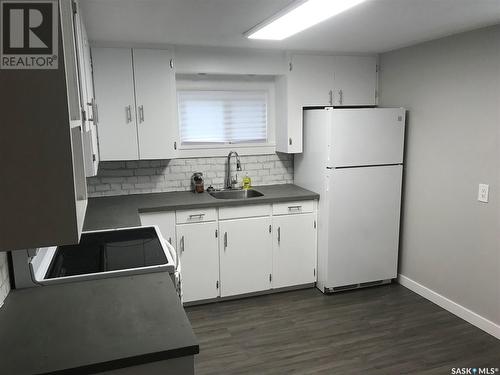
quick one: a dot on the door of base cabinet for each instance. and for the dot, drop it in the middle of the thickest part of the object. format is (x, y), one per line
(199, 258)
(245, 255)
(164, 220)
(294, 250)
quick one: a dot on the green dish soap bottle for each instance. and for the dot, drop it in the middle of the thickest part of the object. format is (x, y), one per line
(247, 182)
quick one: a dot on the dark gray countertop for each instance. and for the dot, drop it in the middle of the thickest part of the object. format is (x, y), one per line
(123, 210)
(91, 326)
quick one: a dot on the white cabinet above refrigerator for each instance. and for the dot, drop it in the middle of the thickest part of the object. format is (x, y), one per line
(319, 80)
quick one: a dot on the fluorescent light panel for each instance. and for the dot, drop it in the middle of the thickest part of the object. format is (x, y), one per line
(305, 15)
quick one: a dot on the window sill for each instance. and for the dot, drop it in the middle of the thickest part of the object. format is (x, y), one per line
(224, 150)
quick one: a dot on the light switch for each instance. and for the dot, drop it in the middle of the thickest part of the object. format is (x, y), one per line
(482, 195)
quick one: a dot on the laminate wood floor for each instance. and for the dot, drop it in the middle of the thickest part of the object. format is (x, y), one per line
(382, 330)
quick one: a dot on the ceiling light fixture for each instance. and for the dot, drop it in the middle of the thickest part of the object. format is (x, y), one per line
(299, 17)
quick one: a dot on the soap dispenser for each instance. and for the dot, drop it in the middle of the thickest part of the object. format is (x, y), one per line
(247, 182)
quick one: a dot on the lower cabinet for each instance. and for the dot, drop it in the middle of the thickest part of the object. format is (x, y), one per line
(165, 222)
(199, 257)
(241, 249)
(294, 250)
(245, 255)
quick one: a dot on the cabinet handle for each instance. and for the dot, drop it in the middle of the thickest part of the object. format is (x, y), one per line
(290, 141)
(297, 208)
(141, 113)
(225, 240)
(170, 240)
(128, 113)
(175, 145)
(199, 216)
(182, 244)
(341, 97)
(177, 256)
(279, 235)
(95, 116)
(331, 97)
(96, 112)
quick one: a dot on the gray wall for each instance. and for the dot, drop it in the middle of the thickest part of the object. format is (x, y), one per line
(450, 241)
(136, 177)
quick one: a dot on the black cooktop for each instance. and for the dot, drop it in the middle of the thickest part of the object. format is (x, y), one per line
(108, 251)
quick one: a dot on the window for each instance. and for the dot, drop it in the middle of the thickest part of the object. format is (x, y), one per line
(216, 117)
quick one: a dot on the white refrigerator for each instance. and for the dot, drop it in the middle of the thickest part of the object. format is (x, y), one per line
(354, 159)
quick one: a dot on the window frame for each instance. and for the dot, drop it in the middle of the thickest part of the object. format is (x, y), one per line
(244, 83)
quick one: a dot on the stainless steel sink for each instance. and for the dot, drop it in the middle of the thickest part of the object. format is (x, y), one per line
(236, 194)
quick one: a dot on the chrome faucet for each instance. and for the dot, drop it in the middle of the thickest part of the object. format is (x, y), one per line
(231, 183)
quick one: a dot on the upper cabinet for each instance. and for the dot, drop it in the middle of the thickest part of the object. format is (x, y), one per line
(354, 81)
(310, 80)
(87, 104)
(155, 100)
(114, 87)
(135, 90)
(43, 194)
(317, 80)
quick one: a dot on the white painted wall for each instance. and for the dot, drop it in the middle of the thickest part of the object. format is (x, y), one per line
(450, 241)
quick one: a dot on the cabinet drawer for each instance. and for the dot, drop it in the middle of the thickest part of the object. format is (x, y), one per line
(195, 216)
(297, 207)
(244, 211)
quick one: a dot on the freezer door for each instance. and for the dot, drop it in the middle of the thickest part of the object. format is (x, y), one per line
(363, 225)
(366, 136)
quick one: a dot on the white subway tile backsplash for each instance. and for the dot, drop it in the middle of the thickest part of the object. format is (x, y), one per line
(147, 176)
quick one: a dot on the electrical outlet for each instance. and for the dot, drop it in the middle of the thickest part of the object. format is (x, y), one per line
(482, 195)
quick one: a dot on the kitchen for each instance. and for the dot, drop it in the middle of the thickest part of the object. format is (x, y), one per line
(205, 188)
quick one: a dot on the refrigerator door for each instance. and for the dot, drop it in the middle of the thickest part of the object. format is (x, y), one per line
(366, 136)
(363, 226)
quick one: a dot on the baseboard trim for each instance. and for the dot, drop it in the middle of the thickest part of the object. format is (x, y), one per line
(462, 312)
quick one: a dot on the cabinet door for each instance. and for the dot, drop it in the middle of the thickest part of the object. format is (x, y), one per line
(308, 83)
(87, 104)
(114, 90)
(90, 104)
(245, 255)
(164, 220)
(310, 80)
(294, 250)
(355, 80)
(199, 257)
(154, 90)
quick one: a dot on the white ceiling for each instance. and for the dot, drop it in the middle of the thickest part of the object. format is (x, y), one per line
(373, 26)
